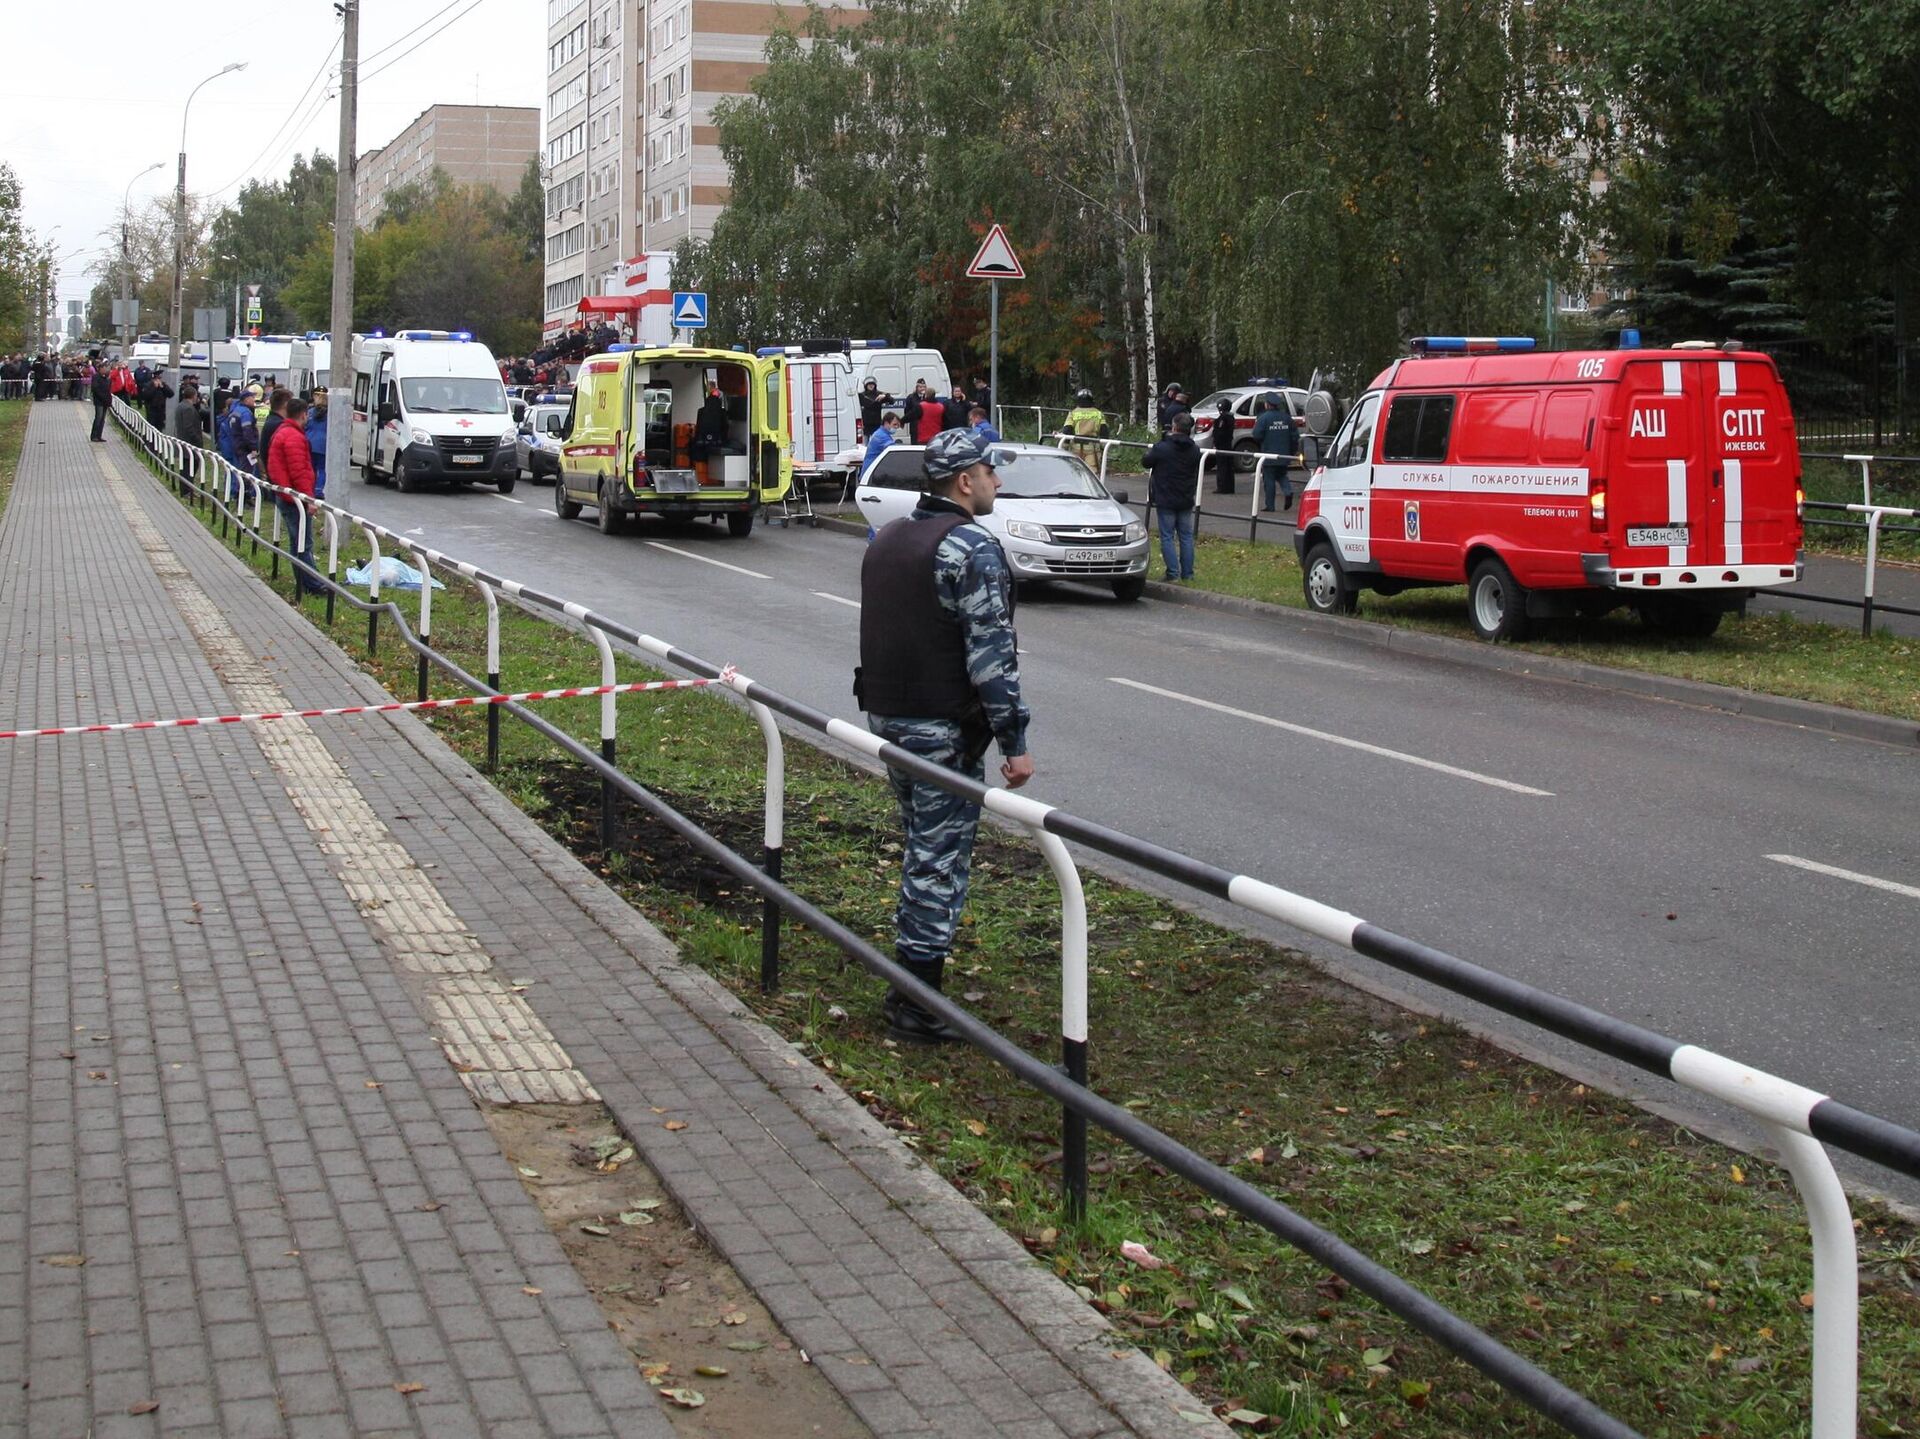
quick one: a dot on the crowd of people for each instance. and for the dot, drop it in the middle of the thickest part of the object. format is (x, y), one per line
(549, 364)
(923, 415)
(45, 377)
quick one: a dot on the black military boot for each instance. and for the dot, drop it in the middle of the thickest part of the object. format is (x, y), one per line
(907, 1020)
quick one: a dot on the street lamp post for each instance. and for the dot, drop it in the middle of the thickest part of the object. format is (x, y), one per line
(126, 264)
(180, 220)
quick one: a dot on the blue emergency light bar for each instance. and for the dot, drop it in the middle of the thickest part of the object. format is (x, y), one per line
(1280, 381)
(376, 334)
(1470, 344)
(622, 348)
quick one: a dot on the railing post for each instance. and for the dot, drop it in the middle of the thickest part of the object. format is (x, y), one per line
(773, 842)
(254, 540)
(333, 561)
(373, 589)
(609, 728)
(1073, 1016)
(1873, 555)
(1836, 1283)
(426, 614)
(493, 672)
(1865, 462)
(301, 525)
(275, 545)
(1253, 500)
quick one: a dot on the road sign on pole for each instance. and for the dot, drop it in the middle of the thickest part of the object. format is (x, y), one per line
(994, 262)
(690, 310)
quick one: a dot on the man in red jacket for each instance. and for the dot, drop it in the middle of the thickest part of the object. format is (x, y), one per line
(289, 465)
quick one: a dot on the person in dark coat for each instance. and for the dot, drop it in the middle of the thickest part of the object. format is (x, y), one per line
(102, 392)
(1274, 434)
(189, 427)
(1174, 490)
(873, 405)
(1223, 467)
(957, 410)
(153, 399)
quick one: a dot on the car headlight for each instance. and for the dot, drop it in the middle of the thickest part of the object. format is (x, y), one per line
(1134, 532)
(1027, 530)
(420, 437)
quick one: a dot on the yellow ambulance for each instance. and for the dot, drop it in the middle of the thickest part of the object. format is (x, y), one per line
(675, 431)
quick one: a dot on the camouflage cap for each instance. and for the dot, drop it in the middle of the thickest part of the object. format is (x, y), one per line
(951, 451)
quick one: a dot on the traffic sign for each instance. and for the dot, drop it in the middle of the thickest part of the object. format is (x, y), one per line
(996, 260)
(253, 312)
(690, 310)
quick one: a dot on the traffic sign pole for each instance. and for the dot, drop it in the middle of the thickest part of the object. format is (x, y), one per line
(993, 350)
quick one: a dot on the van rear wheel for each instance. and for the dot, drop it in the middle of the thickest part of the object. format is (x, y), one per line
(562, 506)
(740, 524)
(1496, 602)
(1326, 585)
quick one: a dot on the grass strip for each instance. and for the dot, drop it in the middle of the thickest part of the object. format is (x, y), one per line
(13, 439)
(1661, 1273)
(1761, 653)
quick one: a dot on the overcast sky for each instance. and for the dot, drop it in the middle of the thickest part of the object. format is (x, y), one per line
(94, 90)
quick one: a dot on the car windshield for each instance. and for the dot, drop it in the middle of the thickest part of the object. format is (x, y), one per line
(1040, 475)
(1211, 405)
(453, 395)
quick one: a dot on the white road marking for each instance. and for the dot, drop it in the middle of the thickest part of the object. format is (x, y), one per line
(508, 498)
(1361, 745)
(837, 599)
(689, 554)
(1871, 881)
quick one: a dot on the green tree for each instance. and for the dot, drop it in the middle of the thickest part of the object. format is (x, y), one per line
(1777, 123)
(19, 264)
(263, 235)
(525, 213)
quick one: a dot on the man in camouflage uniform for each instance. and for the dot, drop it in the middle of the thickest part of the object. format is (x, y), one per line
(939, 676)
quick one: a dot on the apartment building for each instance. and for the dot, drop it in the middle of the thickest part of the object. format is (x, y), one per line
(632, 161)
(472, 144)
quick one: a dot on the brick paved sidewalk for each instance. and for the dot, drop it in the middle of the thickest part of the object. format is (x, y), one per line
(144, 878)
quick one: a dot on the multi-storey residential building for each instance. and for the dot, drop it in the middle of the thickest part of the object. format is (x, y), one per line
(632, 162)
(471, 144)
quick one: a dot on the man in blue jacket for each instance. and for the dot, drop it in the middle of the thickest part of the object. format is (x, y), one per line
(1274, 434)
(317, 441)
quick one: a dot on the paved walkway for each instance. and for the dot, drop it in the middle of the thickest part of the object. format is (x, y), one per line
(250, 982)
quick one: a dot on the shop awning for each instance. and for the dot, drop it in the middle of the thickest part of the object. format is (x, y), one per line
(611, 304)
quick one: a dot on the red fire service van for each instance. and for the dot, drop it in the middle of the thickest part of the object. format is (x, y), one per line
(1559, 483)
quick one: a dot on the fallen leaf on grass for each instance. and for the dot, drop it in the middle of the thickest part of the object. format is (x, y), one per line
(599, 1231)
(976, 1128)
(1244, 1416)
(634, 1217)
(1238, 1296)
(1134, 1250)
(733, 1317)
(527, 1173)
(711, 1371)
(685, 1398)
(747, 1346)
(1739, 1174)
(1420, 1246)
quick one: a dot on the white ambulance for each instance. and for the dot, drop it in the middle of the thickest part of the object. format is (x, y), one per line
(824, 381)
(429, 406)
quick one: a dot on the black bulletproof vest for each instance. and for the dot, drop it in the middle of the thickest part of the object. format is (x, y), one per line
(913, 659)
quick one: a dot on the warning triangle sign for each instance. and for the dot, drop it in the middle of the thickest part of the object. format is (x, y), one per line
(996, 260)
(692, 310)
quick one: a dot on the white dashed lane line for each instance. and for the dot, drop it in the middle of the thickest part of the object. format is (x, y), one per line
(690, 555)
(1871, 881)
(837, 599)
(508, 498)
(1393, 754)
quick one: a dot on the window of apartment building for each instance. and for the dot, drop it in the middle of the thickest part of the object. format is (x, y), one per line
(567, 144)
(566, 243)
(566, 293)
(558, 10)
(566, 96)
(565, 48)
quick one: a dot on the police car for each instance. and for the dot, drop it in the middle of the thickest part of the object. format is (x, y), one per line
(1245, 400)
(537, 439)
(1053, 517)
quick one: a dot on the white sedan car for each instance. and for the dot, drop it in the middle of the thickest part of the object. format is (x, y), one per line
(1054, 518)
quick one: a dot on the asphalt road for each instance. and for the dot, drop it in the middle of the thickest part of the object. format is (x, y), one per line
(1618, 850)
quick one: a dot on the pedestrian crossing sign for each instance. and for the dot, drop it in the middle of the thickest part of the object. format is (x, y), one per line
(690, 310)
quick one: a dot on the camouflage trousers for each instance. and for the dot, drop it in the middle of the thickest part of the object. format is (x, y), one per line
(938, 858)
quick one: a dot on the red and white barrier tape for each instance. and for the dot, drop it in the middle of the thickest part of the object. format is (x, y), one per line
(460, 702)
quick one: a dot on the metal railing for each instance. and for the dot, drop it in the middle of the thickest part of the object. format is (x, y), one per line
(1256, 472)
(1798, 1120)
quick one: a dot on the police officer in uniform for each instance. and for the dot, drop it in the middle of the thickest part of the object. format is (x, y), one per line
(939, 677)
